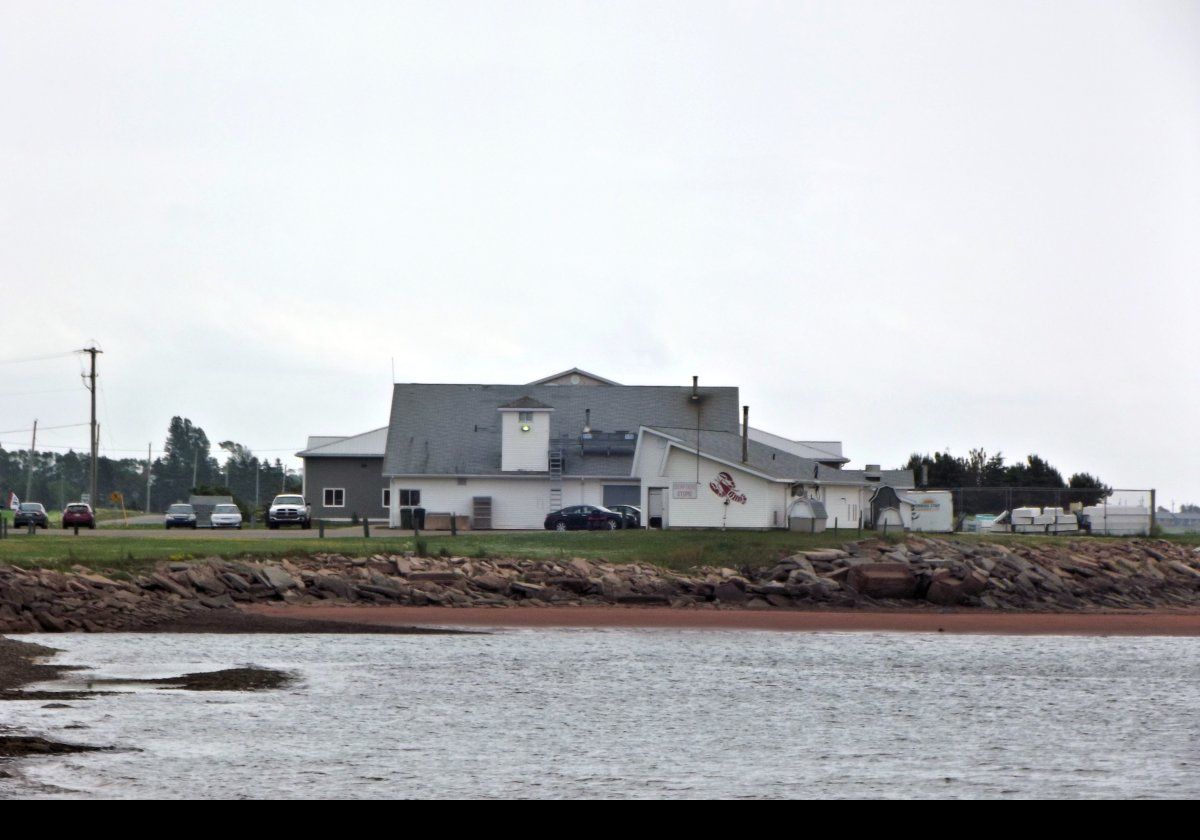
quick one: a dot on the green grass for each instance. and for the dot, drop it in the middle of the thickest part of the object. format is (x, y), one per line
(680, 550)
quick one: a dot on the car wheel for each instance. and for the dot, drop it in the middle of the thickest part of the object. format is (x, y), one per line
(560, 526)
(612, 524)
(92, 526)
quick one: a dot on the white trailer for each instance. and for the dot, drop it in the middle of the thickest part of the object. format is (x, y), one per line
(928, 510)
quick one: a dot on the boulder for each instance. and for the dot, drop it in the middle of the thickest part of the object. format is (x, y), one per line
(883, 580)
(730, 591)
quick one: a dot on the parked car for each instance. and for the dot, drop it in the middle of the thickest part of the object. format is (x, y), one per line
(289, 509)
(587, 518)
(630, 510)
(79, 515)
(226, 516)
(180, 516)
(30, 512)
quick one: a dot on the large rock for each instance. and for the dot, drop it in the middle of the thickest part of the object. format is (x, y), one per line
(883, 580)
(731, 591)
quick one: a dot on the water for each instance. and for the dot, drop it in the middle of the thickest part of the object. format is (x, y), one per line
(621, 713)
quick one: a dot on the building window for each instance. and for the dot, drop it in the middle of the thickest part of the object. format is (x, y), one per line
(410, 498)
(387, 498)
(335, 497)
(525, 417)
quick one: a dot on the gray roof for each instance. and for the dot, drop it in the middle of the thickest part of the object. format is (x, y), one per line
(777, 463)
(455, 429)
(525, 402)
(366, 445)
(579, 372)
(727, 446)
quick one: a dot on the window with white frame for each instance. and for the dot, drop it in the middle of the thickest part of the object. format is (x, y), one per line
(525, 417)
(410, 498)
(387, 497)
(334, 497)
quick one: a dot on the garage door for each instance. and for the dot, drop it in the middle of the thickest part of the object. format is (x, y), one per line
(622, 494)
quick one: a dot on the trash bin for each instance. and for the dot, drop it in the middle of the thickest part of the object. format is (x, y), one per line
(418, 515)
(406, 518)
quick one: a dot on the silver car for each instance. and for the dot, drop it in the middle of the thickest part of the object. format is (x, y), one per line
(226, 516)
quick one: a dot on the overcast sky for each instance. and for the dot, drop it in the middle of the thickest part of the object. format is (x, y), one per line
(907, 226)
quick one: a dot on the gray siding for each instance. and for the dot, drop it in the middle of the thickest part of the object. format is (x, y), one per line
(361, 478)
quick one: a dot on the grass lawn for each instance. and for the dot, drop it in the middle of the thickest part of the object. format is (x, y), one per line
(680, 550)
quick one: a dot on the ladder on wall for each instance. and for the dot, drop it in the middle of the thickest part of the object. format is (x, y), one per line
(556, 474)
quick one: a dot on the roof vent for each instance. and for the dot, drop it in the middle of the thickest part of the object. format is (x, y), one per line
(873, 472)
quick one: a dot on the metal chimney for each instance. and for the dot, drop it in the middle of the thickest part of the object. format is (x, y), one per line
(745, 434)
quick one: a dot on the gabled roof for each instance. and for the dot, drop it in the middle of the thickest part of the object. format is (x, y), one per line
(825, 451)
(366, 445)
(455, 429)
(322, 440)
(776, 463)
(582, 374)
(526, 403)
(765, 460)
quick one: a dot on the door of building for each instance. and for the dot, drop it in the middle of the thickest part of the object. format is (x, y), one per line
(654, 505)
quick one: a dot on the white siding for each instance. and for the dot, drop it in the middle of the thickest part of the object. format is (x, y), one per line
(845, 504)
(517, 503)
(763, 507)
(524, 451)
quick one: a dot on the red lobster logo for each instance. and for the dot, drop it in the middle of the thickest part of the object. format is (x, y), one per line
(726, 488)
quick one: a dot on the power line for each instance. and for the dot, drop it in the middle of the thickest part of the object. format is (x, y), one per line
(43, 428)
(31, 393)
(37, 358)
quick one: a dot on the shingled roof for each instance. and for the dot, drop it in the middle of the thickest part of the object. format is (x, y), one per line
(526, 403)
(455, 429)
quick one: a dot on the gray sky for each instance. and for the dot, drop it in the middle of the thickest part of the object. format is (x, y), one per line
(908, 226)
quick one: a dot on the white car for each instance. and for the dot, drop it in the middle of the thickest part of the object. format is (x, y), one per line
(226, 516)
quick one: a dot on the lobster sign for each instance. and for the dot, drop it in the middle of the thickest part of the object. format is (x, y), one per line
(726, 488)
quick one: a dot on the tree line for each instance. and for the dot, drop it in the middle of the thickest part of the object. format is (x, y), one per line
(188, 464)
(989, 485)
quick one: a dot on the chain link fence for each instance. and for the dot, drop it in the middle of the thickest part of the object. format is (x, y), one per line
(1058, 510)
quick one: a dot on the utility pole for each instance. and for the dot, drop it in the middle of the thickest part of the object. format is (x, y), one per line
(195, 463)
(257, 473)
(32, 455)
(148, 464)
(90, 380)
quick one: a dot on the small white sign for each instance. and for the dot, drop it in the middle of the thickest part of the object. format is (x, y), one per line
(685, 490)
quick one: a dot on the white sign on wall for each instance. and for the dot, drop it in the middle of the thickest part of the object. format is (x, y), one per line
(685, 490)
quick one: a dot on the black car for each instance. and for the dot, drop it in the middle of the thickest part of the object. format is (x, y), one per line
(587, 518)
(629, 510)
(28, 512)
(180, 516)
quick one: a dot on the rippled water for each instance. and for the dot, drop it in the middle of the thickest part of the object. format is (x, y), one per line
(620, 713)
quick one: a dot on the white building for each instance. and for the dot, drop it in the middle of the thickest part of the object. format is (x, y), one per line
(507, 455)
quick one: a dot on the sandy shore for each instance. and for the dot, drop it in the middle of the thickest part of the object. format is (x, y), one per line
(1158, 623)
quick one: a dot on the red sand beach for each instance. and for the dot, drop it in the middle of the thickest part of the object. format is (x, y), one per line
(1156, 623)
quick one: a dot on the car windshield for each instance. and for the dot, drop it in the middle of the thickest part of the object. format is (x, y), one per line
(31, 506)
(225, 509)
(289, 500)
(179, 509)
